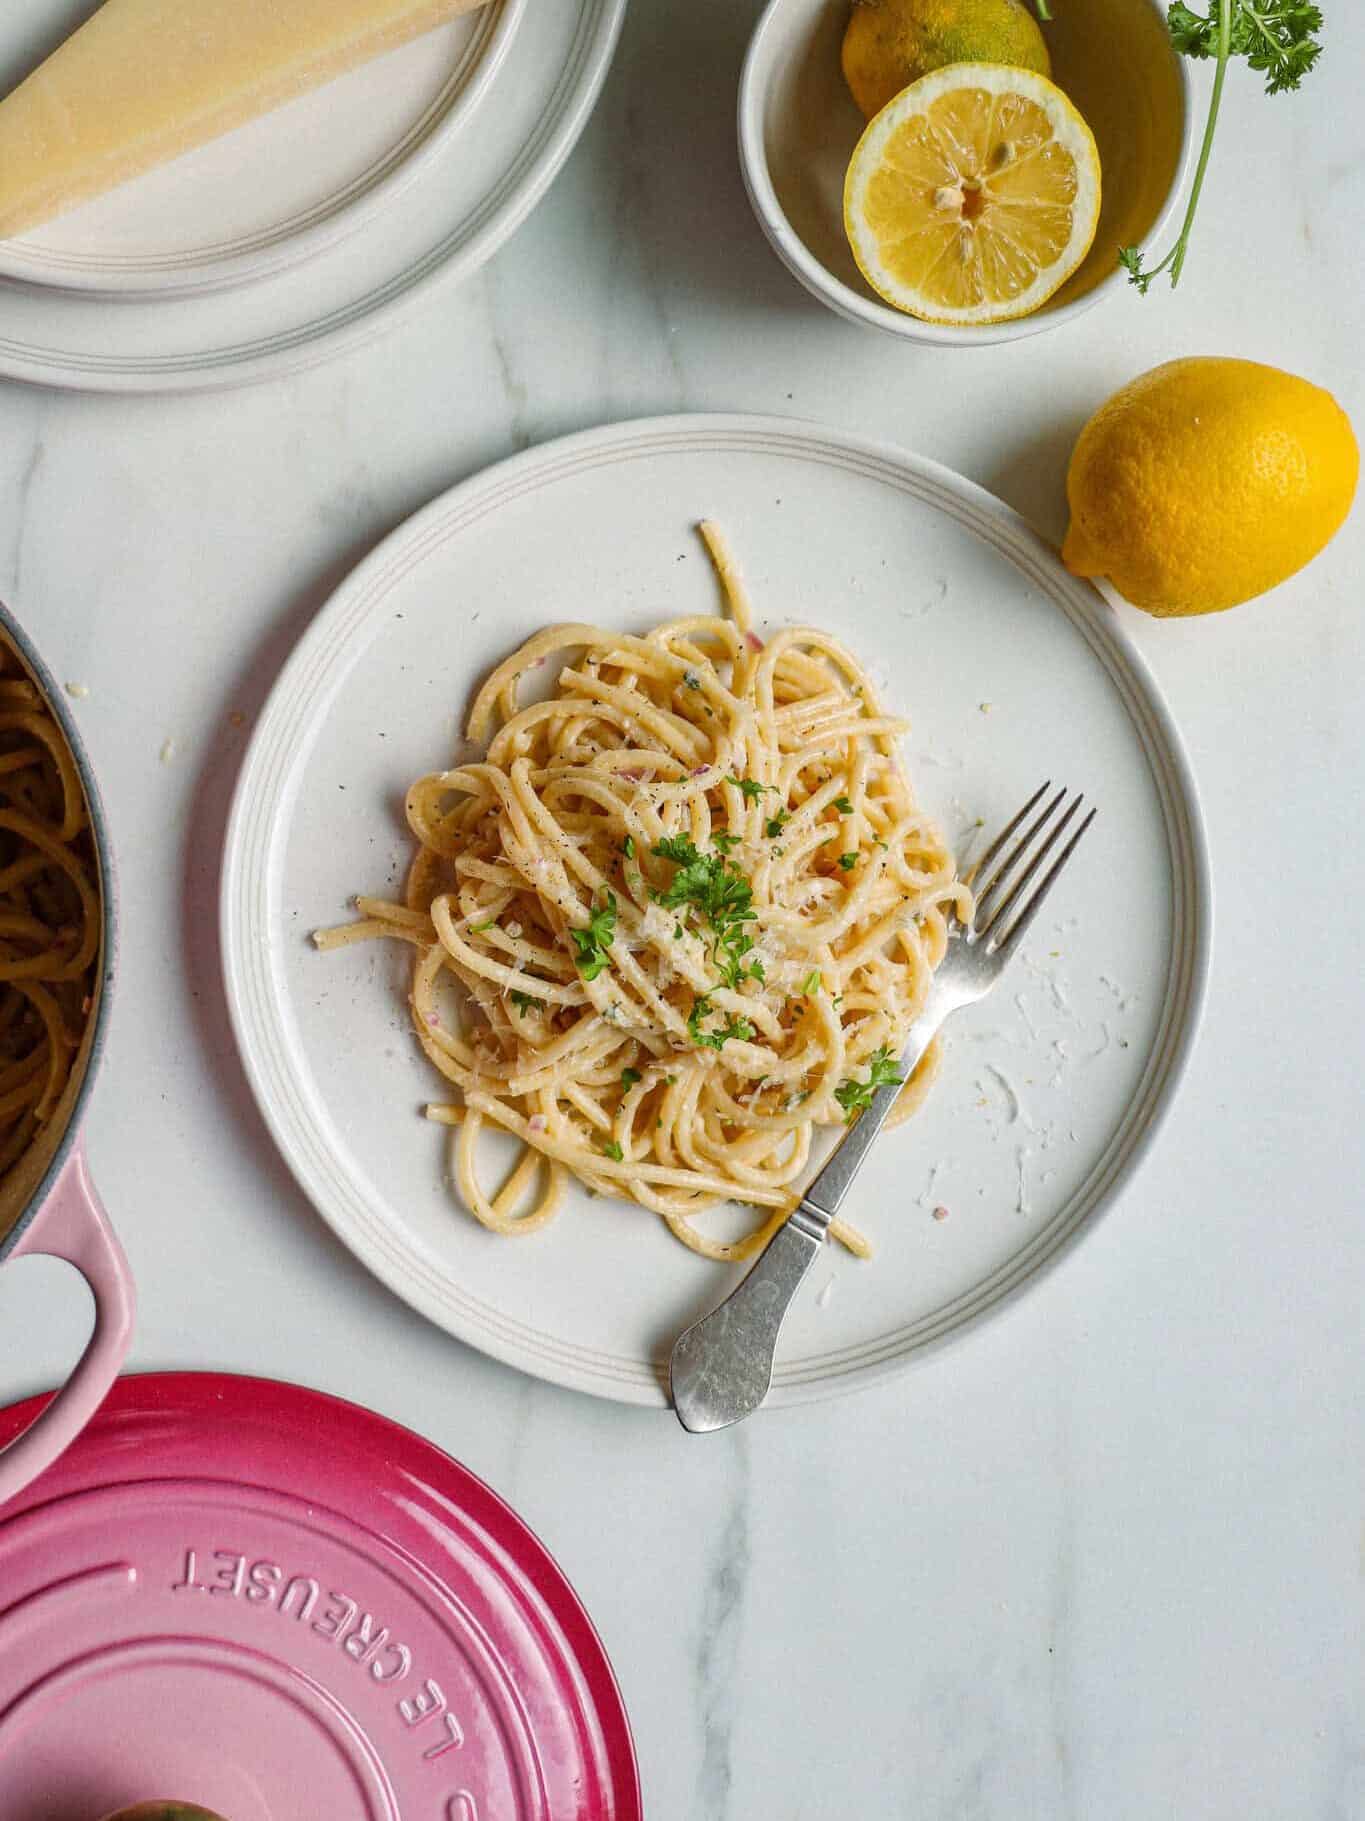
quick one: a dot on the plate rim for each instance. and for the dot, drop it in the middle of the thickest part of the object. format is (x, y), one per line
(268, 1404)
(579, 1368)
(227, 266)
(485, 228)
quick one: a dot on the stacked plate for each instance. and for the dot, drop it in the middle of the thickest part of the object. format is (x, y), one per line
(306, 231)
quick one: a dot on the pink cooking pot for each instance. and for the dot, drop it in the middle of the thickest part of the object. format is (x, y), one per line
(48, 1203)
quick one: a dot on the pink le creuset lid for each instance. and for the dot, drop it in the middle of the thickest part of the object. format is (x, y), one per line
(281, 1607)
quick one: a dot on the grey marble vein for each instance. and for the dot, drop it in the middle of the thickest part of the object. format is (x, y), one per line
(632, 282)
(23, 494)
(513, 384)
(1061, 1614)
(718, 1642)
(522, 1418)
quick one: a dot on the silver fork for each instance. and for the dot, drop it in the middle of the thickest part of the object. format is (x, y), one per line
(722, 1366)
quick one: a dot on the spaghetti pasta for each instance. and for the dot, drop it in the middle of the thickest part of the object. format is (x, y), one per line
(49, 911)
(674, 922)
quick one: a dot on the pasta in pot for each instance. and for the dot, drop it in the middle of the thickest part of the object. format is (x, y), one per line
(49, 912)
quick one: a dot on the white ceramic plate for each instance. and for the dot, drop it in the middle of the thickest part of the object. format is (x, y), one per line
(1012, 671)
(304, 232)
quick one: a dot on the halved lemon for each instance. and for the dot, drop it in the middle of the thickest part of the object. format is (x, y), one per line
(973, 195)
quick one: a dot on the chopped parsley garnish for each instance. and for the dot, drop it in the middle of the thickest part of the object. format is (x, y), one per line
(477, 929)
(593, 942)
(776, 824)
(677, 932)
(717, 1039)
(854, 1096)
(628, 1079)
(750, 788)
(844, 807)
(848, 862)
(678, 848)
(811, 983)
(721, 893)
(692, 680)
(628, 847)
(526, 1002)
(613, 1150)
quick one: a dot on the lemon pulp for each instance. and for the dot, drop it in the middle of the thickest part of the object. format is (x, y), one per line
(973, 195)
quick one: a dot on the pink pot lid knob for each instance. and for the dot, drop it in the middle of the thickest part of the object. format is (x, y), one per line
(164, 1811)
(283, 1608)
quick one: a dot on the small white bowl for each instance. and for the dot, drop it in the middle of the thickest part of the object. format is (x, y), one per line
(798, 126)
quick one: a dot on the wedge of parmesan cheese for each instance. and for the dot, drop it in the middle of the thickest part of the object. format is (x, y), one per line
(144, 80)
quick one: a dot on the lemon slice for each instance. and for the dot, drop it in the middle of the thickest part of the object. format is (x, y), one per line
(973, 195)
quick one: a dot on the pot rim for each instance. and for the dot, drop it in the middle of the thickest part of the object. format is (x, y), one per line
(54, 697)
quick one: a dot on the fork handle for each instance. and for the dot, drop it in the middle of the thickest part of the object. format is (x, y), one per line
(722, 1365)
(825, 1194)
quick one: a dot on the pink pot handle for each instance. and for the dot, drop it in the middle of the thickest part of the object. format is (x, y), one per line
(73, 1225)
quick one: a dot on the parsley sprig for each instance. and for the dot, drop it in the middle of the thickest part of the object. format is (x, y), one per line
(855, 1096)
(749, 788)
(722, 894)
(1277, 38)
(593, 942)
(718, 1038)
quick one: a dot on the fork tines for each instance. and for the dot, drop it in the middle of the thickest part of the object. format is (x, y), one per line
(994, 902)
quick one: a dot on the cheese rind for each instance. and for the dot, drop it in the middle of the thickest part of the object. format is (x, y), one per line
(143, 81)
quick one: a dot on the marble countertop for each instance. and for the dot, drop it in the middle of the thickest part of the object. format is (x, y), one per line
(1107, 1556)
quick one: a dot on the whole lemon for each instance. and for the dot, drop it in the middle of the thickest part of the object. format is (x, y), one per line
(1205, 482)
(891, 43)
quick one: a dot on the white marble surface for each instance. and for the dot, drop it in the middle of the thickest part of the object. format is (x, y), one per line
(1105, 1558)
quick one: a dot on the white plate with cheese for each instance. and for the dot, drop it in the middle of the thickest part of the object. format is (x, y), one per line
(303, 230)
(268, 194)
